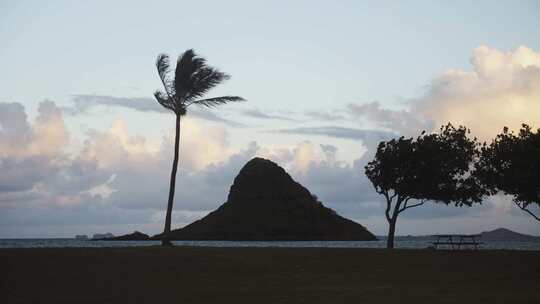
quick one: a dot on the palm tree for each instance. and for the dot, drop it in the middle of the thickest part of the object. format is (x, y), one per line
(192, 80)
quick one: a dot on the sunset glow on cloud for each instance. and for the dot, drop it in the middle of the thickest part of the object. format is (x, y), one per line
(502, 89)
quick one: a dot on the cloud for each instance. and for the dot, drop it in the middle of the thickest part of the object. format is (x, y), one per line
(84, 102)
(395, 120)
(21, 174)
(342, 186)
(142, 175)
(91, 212)
(47, 136)
(30, 153)
(49, 133)
(15, 131)
(209, 115)
(256, 113)
(61, 188)
(316, 115)
(326, 115)
(39, 165)
(367, 136)
(502, 89)
(114, 174)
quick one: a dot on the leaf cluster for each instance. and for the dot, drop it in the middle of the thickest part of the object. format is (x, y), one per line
(511, 164)
(435, 167)
(193, 79)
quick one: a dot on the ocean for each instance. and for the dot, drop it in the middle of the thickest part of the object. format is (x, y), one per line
(399, 243)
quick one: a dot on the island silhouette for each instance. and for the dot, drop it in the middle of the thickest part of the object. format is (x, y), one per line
(265, 203)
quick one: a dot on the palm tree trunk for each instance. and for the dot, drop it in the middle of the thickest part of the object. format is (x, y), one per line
(165, 239)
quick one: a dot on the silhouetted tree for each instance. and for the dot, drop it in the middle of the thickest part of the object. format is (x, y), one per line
(192, 80)
(434, 167)
(511, 164)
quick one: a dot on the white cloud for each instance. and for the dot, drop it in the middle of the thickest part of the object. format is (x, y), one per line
(49, 133)
(202, 145)
(113, 171)
(502, 89)
(401, 121)
(14, 128)
(32, 156)
(46, 137)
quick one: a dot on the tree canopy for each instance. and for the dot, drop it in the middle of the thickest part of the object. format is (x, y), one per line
(511, 164)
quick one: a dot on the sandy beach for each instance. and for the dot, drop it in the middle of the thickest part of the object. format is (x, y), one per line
(267, 275)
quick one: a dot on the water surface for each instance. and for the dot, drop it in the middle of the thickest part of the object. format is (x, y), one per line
(399, 243)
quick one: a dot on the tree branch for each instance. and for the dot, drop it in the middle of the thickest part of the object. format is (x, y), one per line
(396, 207)
(405, 207)
(388, 204)
(527, 210)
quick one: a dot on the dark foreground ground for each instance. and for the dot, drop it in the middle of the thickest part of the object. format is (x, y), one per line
(267, 275)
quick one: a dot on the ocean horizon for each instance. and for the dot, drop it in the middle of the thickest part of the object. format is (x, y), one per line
(401, 242)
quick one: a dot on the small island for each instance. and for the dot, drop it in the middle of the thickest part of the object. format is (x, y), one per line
(265, 203)
(135, 236)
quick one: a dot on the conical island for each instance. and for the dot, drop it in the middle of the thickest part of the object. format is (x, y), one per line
(265, 203)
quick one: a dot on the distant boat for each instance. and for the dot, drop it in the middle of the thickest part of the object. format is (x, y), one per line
(81, 237)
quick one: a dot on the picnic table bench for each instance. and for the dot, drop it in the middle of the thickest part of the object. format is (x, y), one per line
(457, 241)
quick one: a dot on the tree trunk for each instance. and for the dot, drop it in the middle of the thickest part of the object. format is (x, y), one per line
(391, 233)
(392, 220)
(165, 239)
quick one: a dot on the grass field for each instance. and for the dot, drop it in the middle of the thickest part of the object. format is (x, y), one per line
(267, 275)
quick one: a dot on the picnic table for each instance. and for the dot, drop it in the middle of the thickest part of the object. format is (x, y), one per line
(457, 241)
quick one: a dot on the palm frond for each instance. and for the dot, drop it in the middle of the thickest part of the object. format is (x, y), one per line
(187, 65)
(165, 101)
(203, 81)
(192, 80)
(216, 101)
(163, 68)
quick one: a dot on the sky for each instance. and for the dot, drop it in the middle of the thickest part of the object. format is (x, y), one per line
(85, 149)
